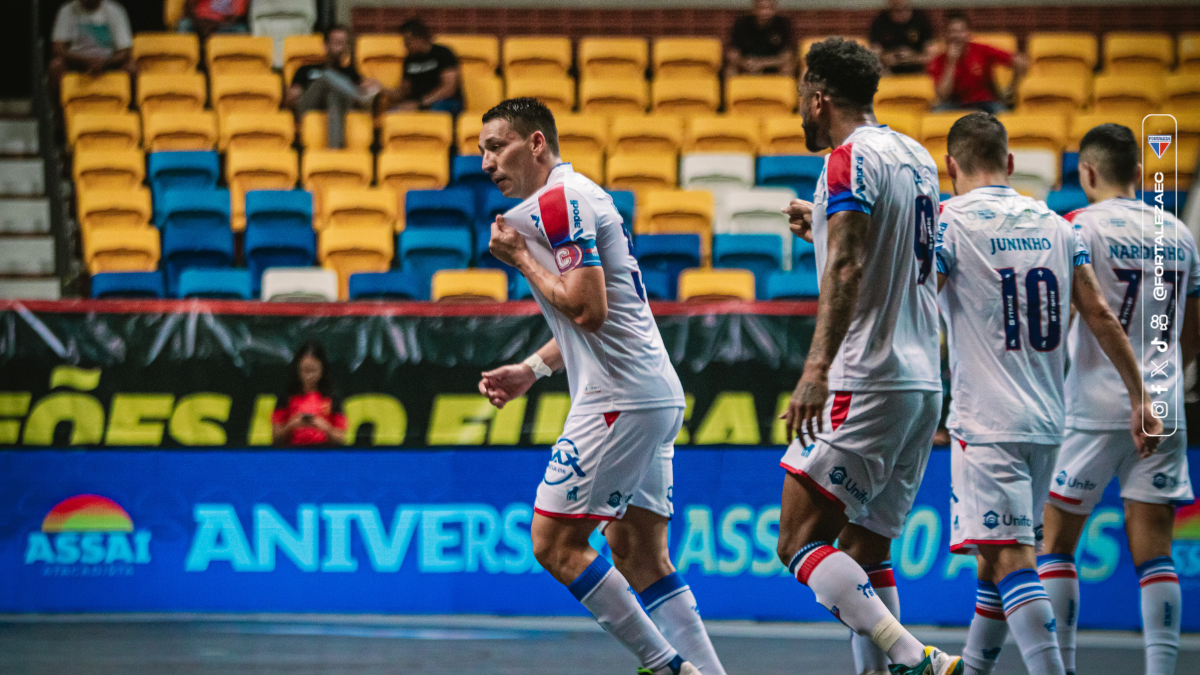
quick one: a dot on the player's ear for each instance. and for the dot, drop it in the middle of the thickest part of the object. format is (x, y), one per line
(1010, 164)
(952, 168)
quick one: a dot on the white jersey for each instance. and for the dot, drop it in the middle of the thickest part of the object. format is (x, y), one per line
(892, 342)
(1008, 261)
(1124, 260)
(572, 223)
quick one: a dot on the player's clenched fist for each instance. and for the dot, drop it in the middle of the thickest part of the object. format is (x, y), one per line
(506, 383)
(799, 213)
(1146, 430)
(506, 244)
(807, 405)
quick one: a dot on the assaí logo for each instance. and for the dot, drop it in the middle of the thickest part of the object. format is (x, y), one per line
(1186, 547)
(87, 536)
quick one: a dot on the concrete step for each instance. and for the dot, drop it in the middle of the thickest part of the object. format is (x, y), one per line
(45, 288)
(25, 216)
(30, 256)
(18, 137)
(22, 178)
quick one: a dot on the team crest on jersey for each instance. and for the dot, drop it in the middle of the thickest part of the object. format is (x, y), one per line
(1159, 143)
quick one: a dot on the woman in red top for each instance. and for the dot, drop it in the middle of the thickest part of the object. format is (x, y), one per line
(309, 414)
(963, 75)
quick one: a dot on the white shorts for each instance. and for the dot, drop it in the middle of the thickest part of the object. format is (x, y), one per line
(997, 492)
(604, 462)
(872, 456)
(1090, 459)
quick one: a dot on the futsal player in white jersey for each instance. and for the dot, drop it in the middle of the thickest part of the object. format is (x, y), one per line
(1120, 230)
(612, 463)
(1006, 266)
(876, 346)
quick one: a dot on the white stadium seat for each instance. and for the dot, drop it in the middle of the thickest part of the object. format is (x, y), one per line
(1034, 171)
(278, 19)
(27, 255)
(716, 171)
(299, 284)
(25, 216)
(756, 211)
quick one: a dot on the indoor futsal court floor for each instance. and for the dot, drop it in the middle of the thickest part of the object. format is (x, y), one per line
(369, 645)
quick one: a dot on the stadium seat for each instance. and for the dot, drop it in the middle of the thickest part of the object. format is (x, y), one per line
(247, 170)
(625, 202)
(183, 170)
(799, 285)
(713, 133)
(481, 93)
(518, 289)
(348, 250)
(477, 54)
(1047, 131)
(762, 254)
(804, 257)
(467, 172)
(1069, 177)
(664, 211)
(108, 169)
(641, 171)
(404, 171)
(662, 257)
(104, 131)
(280, 19)
(380, 56)
(440, 209)
(494, 205)
(360, 131)
(178, 130)
(424, 251)
(760, 95)
(1126, 94)
(557, 93)
(108, 92)
(581, 133)
(466, 133)
(166, 52)
(701, 285)
(641, 134)
(687, 57)
(1140, 53)
(1034, 171)
(121, 249)
(215, 284)
(246, 92)
(258, 131)
(390, 285)
(1188, 52)
(469, 286)
(716, 171)
(1067, 200)
(1187, 123)
(1187, 152)
(613, 57)
(537, 57)
(113, 285)
(358, 207)
(169, 92)
(1182, 91)
(1062, 94)
(301, 50)
(279, 208)
(607, 96)
(1082, 123)
(1062, 53)
(1173, 201)
(1004, 41)
(757, 211)
(194, 208)
(432, 131)
(590, 164)
(322, 170)
(240, 54)
(299, 284)
(935, 129)
(799, 172)
(194, 247)
(279, 231)
(685, 96)
(907, 123)
(783, 136)
(905, 93)
(113, 208)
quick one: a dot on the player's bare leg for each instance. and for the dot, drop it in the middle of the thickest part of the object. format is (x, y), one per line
(1027, 607)
(988, 627)
(873, 553)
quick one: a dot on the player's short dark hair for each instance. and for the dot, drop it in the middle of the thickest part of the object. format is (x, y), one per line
(956, 15)
(416, 28)
(978, 142)
(1113, 149)
(844, 69)
(526, 115)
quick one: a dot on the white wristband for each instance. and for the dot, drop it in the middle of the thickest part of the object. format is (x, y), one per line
(539, 366)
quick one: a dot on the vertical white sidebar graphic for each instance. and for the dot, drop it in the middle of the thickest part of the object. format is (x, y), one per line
(1163, 375)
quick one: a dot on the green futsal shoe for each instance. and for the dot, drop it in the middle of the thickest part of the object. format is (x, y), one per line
(936, 662)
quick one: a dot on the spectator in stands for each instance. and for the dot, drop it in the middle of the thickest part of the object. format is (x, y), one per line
(309, 413)
(964, 74)
(334, 86)
(761, 42)
(431, 73)
(90, 36)
(902, 38)
(205, 17)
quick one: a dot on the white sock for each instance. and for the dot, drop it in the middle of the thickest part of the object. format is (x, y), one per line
(672, 607)
(842, 587)
(987, 633)
(607, 595)
(1058, 575)
(868, 657)
(1030, 617)
(1161, 606)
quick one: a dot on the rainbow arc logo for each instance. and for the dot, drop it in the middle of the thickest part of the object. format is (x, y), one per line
(88, 535)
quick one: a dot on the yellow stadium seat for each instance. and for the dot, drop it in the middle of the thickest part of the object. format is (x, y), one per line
(301, 50)
(227, 53)
(760, 95)
(905, 93)
(121, 249)
(674, 211)
(322, 170)
(582, 133)
(722, 134)
(783, 136)
(616, 57)
(466, 133)
(258, 131)
(1188, 52)
(687, 57)
(166, 52)
(1063, 94)
(247, 170)
(686, 96)
(113, 208)
(906, 123)
(610, 96)
(107, 92)
(477, 54)
(401, 171)
(358, 207)
(381, 56)
(1046, 131)
(196, 130)
(1182, 91)
(708, 285)
(173, 12)
(1141, 53)
(1059, 53)
(104, 131)
(935, 127)
(418, 130)
(314, 130)
(108, 169)
(1185, 160)
(557, 92)
(161, 92)
(1130, 94)
(350, 250)
(640, 171)
(1085, 122)
(246, 92)
(534, 57)
(477, 285)
(658, 134)
(481, 93)
(587, 162)
(1187, 123)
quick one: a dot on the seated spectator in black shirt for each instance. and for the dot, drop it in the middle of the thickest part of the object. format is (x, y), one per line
(902, 38)
(431, 73)
(761, 42)
(334, 86)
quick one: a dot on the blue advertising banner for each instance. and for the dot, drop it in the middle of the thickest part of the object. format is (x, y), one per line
(447, 532)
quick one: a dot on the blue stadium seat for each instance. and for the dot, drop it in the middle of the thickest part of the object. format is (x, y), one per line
(791, 286)
(624, 201)
(943, 196)
(193, 208)
(494, 204)
(276, 241)
(804, 257)
(667, 255)
(182, 169)
(452, 207)
(1070, 170)
(799, 172)
(467, 171)
(424, 251)
(1171, 200)
(127, 285)
(233, 284)
(385, 286)
(188, 247)
(762, 254)
(518, 288)
(279, 207)
(1066, 200)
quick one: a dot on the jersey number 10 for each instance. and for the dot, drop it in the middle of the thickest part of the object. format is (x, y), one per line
(1043, 339)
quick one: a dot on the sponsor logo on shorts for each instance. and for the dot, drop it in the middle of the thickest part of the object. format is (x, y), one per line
(1162, 481)
(670, 493)
(1061, 479)
(614, 500)
(991, 520)
(1073, 483)
(1037, 533)
(573, 494)
(564, 463)
(838, 475)
(808, 450)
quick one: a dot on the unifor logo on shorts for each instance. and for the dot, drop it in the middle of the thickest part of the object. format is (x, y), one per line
(1162, 480)
(1062, 478)
(614, 500)
(838, 475)
(991, 520)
